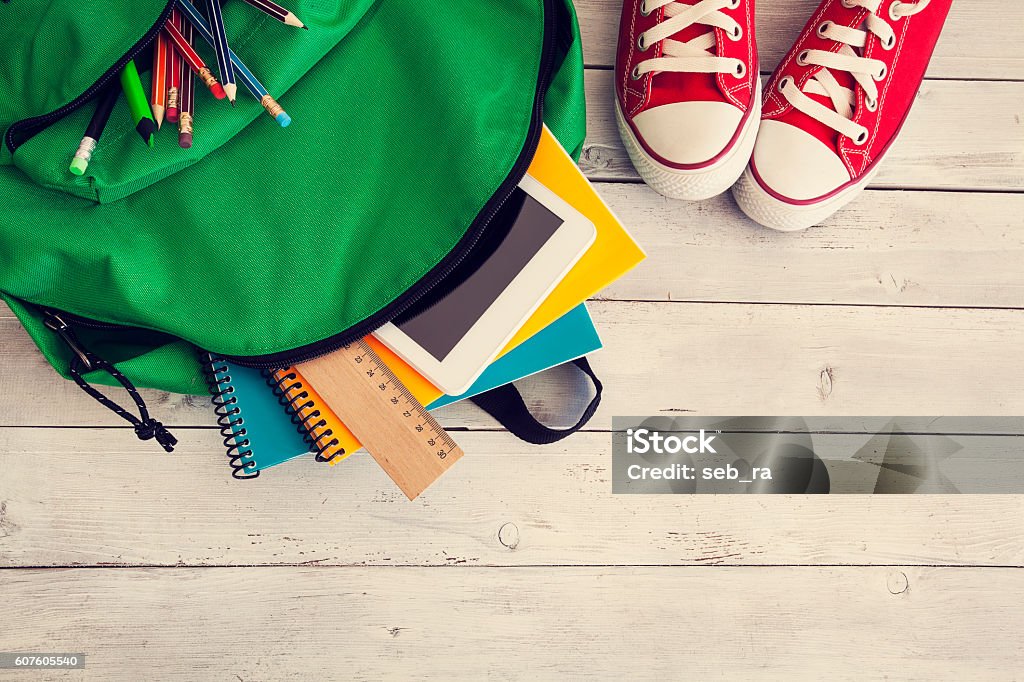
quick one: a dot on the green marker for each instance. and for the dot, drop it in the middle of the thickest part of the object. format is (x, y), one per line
(142, 116)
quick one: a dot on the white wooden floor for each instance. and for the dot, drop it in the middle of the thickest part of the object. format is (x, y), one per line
(519, 563)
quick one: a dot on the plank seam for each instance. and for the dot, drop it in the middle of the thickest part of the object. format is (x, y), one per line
(320, 565)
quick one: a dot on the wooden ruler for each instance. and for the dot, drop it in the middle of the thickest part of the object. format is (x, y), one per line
(380, 411)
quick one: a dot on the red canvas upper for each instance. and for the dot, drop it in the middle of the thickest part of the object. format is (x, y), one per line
(906, 63)
(658, 88)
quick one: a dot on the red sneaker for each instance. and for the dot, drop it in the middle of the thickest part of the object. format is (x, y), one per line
(687, 92)
(834, 105)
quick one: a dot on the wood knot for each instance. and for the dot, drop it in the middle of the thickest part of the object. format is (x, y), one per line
(508, 535)
(595, 157)
(7, 527)
(825, 379)
(897, 582)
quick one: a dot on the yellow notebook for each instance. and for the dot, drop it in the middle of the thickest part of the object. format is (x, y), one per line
(613, 253)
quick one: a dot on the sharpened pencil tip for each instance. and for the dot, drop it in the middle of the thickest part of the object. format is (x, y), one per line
(305, 28)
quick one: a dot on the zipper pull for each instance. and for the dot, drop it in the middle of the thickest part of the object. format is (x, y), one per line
(57, 324)
(145, 426)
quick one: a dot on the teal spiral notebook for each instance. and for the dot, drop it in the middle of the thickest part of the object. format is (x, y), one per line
(259, 434)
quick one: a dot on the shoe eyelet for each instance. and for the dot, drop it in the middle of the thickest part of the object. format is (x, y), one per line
(735, 35)
(824, 26)
(734, 4)
(801, 58)
(741, 70)
(643, 9)
(641, 43)
(781, 85)
(892, 11)
(861, 138)
(847, 4)
(881, 74)
(889, 44)
(871, 104)
(635, 73)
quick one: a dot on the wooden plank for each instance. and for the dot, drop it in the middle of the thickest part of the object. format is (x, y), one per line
(886, 248)
(522, 624)
(941, 147)
(964, 50)
(73, 497)
(704, 357)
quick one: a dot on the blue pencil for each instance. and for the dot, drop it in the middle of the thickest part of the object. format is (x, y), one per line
(248, 80)
(220, 46)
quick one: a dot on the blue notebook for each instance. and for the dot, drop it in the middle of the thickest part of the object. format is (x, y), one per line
(259, 434)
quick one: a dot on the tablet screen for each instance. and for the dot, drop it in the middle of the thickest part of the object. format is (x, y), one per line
(440, 319)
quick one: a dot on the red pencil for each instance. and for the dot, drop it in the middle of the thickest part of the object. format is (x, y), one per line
(194, 61)
(158, 99)
(173, 74)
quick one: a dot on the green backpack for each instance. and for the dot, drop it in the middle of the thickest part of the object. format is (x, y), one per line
(268, 246)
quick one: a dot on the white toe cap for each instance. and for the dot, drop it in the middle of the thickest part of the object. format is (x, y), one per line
(688, 132)
(796, 164)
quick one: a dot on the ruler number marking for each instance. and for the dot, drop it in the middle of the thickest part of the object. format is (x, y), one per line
(426, 424)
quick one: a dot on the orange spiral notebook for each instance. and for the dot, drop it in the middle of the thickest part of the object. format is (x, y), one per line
(613, 254)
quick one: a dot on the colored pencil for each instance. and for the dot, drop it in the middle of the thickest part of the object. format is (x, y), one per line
(248, 80)
(192, 58)
(138, 105)
(158, 94)
(280, 13)
(104, 105)
(173, 72)
(187, 94)
(220, 45)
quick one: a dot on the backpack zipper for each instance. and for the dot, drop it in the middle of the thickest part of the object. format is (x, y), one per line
(57, 323)
(441, 270)
(22, 131)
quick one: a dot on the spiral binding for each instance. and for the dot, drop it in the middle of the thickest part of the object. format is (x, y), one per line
(229, 417)
(304, 413)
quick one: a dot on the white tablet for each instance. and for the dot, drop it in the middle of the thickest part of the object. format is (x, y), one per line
(458, 328)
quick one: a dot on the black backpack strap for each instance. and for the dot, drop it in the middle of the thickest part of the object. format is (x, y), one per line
(506, 405)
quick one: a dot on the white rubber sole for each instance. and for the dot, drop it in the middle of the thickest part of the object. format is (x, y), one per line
(693, 185)
(763, 208)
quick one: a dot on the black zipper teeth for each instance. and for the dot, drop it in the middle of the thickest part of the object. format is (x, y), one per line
(444, 268)
(36, 124)
(86, 322)
(463, 248)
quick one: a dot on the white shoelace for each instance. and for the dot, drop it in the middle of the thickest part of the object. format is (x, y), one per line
(692, 56)
(865, 72)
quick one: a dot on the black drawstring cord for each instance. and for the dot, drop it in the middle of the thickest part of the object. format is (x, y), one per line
(145, 426)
